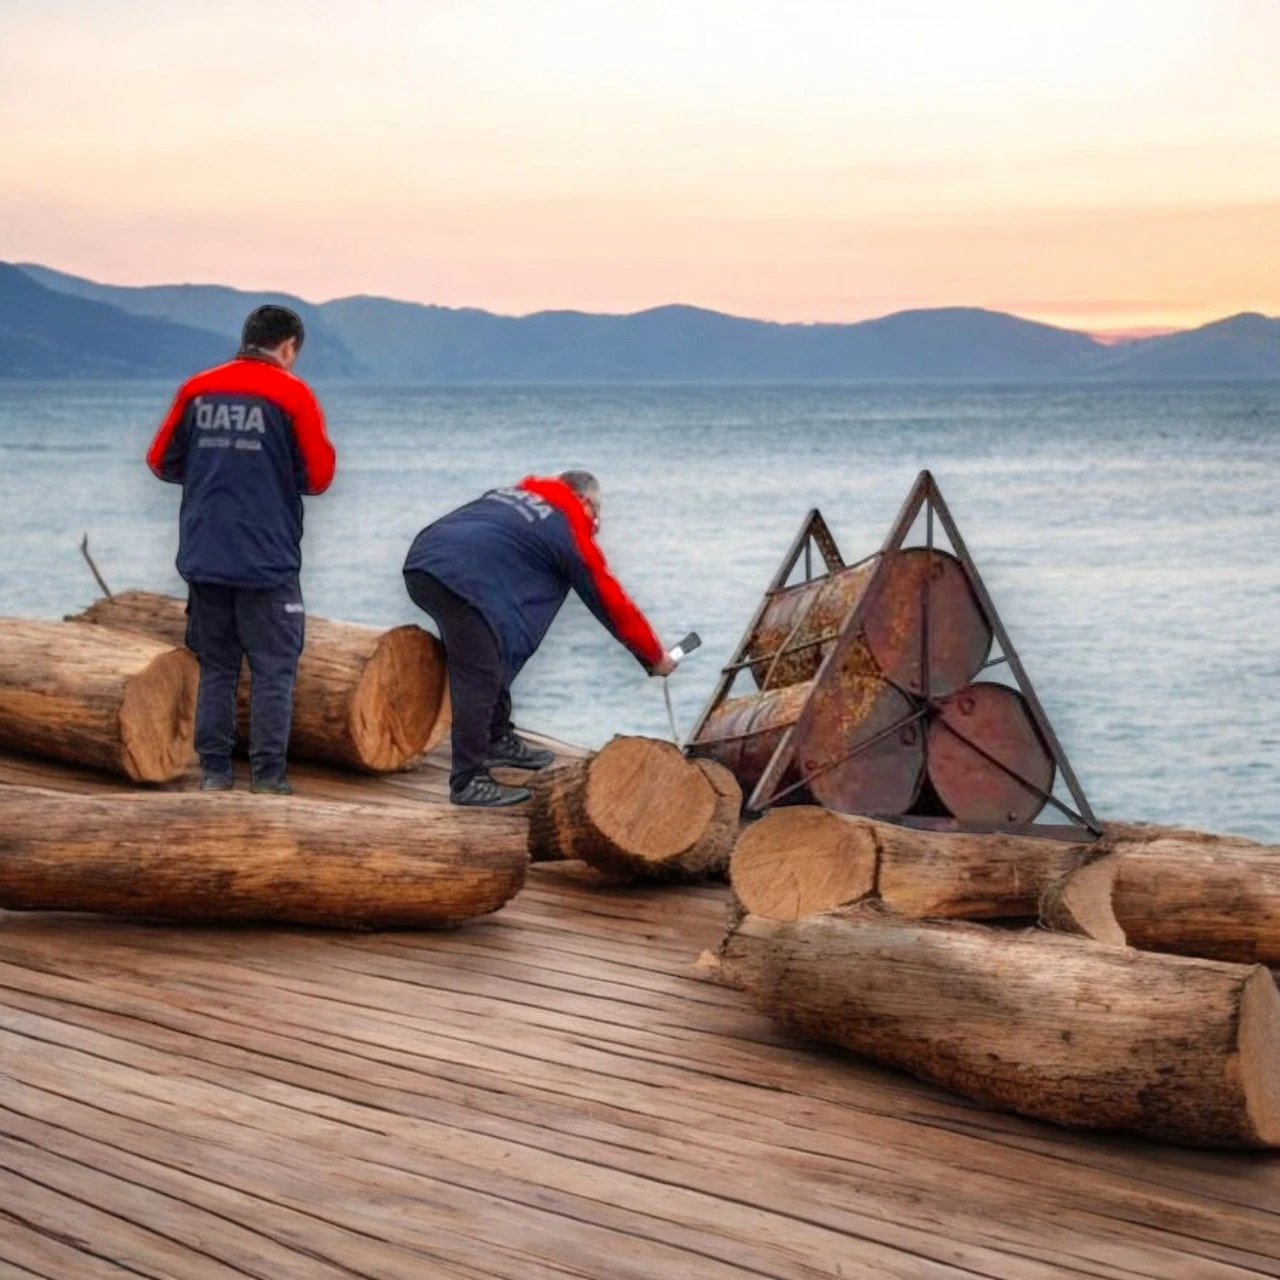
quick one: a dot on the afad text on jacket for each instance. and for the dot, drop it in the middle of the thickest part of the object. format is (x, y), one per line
(245, 440)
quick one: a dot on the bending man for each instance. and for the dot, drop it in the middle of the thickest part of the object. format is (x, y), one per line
(493, 575)
(245, 440)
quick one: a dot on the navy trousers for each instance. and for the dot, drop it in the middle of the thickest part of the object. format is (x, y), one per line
(479, 694)
(224, 625)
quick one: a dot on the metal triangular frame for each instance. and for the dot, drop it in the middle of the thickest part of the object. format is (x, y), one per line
(924, 496)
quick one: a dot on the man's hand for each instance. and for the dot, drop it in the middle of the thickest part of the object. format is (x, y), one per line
(666, 665)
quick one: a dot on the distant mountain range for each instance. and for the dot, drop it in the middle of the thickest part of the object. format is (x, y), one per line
(54, 325)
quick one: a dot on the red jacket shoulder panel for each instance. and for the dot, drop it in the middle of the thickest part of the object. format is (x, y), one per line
(626, 620)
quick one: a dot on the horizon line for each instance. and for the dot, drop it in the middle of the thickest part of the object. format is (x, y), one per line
(1103, 336)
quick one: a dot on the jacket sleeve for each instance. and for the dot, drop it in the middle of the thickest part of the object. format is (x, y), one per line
(167, 455)
(319, 460)
(602, 593)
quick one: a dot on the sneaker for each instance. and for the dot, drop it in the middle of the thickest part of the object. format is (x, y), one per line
(512, 752)
(215, 782)
(280, 788)
(483, 793)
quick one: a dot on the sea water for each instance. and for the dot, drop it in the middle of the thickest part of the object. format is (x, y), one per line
(1130, 537)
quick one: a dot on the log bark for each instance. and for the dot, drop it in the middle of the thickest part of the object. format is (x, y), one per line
(365, 699)
(958, 876)
(1183, 892)
(96, 697)
(1058, 1028)
(637, 810)
(802, 859)
(195, 856)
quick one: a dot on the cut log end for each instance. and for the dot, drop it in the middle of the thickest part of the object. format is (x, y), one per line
(647, 800)
(1081, 903)
(400, 707)
(1258, 1041)
(797, 861)
(157, 718)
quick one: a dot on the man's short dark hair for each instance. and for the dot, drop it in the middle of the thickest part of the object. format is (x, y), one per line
(267, 327)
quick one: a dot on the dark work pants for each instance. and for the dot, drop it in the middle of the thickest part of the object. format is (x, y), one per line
(225, 624)
(478, 688)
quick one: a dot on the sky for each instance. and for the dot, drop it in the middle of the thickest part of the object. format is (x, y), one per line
(1110, 165)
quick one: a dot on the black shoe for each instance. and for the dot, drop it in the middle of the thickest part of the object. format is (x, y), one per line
(512, 752)
(215, 782)
(483, 793)
(281, 788)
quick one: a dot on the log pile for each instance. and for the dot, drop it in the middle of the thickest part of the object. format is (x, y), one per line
(365, 699)
(801, 859)
(637, 810)
(1185, 892)
(852, 931)
(1053, 1027)
(89, 696)
(193, 856)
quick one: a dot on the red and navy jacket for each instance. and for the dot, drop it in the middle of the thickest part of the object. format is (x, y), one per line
(244, 440)
(513, 555)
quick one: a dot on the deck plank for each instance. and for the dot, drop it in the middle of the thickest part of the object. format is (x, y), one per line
(554, 1091)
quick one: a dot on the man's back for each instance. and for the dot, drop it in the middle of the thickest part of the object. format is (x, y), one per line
(514, 554)
(244, 439)
(508, 554)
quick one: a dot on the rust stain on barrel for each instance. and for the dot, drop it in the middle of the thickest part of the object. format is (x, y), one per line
(799, 616)
(959, 637)
(743, 733)
(848, 712)
(996, 719)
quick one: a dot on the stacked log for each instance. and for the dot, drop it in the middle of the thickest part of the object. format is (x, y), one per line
(95, 697)
(637, 810)
(1170, 890)
(1058, 1028)
(193, 856)
(802, 859)
(364, 699)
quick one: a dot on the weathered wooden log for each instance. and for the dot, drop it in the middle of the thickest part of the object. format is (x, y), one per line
(802, 859)
(112, 701)
(365, 699)
(1058, 1028)
(1185, 892)
(637, 810)
(234, 857)
(1080, 903)
(961, 876)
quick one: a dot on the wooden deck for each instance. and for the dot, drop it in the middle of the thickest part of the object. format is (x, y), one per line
(552, 1091)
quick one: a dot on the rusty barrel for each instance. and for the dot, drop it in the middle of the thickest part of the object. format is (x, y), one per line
(912, 584)
(743, 733)
(987, 761)
(855, 738)
(800, 623)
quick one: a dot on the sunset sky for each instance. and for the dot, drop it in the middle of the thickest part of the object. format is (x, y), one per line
(1103, 164)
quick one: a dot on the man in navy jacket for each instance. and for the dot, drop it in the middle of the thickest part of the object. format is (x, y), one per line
(245, 440)
(493, 574)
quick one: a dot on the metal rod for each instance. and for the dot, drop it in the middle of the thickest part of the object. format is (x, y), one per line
(779, 579)
(993, 662)
(849, 755)
(757, 659)
(93, 568)
(1045, 796)
(1011, 656)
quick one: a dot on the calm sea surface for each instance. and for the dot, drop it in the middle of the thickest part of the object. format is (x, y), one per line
(1129, 536)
